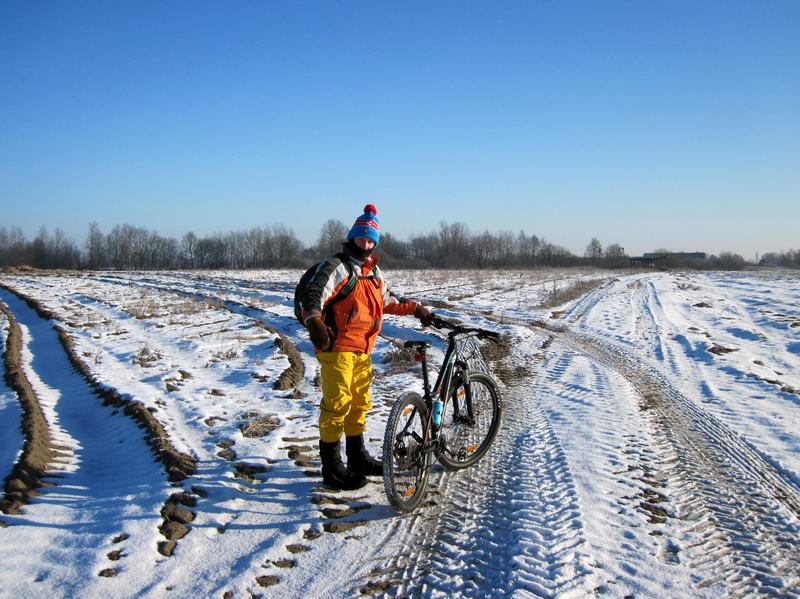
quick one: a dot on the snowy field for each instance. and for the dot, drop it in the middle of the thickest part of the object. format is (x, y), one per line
(650, 445)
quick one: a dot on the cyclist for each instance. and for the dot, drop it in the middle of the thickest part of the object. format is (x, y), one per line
(343, 332)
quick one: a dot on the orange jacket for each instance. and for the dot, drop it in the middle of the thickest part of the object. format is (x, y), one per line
(355, 320)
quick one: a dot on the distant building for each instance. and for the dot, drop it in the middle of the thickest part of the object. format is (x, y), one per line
(681, 256)
(665, 260)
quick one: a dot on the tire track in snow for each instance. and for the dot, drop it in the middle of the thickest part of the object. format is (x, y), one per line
(741, 511)
(584, 305)
(646, 327)
(617, 474)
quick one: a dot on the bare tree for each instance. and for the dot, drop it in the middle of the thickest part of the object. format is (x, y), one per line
(287, 246)
(594, 250)
(505, 248)
(187, 248)
(615, 255)
(483, 248)
(393, 252)
(423, 249)
(40, 249)
(453, 244)
(59, 249)
(95, 246)
(331, 236)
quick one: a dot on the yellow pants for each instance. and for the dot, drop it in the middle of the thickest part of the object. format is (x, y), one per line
(346, 377)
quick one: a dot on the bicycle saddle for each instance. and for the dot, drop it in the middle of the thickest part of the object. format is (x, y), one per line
(419, 345)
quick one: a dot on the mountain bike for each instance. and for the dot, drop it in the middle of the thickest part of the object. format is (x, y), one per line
(456, 422)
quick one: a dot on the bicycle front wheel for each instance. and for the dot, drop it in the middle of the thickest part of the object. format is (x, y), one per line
(405, 461)
(470, 422)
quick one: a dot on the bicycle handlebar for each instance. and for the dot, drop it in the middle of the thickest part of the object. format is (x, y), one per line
(441, 323)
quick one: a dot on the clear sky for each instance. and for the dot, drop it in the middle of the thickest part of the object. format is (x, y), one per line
(647, 123)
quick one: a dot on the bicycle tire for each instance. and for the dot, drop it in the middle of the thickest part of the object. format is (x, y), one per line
(464, 441)
(405, 464)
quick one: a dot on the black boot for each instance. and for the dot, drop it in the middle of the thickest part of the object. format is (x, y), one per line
(359, 460)
(334, 472)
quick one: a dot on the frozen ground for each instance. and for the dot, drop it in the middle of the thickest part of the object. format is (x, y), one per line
(650, 444)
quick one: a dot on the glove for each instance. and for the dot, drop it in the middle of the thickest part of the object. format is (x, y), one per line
(318, 331)
(425, 316)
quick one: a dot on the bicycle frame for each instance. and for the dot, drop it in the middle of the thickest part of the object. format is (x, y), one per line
(442, 387)
(445, 376)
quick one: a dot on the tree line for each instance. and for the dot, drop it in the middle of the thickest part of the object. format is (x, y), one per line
(128, 247)
(789, 258)
(452, 245)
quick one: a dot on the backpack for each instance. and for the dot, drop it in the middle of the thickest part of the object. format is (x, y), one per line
(309, 275)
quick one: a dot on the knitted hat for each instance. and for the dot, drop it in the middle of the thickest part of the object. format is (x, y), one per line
(366, 225)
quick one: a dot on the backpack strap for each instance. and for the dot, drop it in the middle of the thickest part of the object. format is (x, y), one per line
(348, 287)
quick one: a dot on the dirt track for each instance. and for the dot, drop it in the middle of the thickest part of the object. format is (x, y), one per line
(38, 451)
(177, 464)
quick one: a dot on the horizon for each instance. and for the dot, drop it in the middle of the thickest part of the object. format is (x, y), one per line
(663, 125)
(79, 241)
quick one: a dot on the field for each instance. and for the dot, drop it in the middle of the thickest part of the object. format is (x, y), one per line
(650, 444)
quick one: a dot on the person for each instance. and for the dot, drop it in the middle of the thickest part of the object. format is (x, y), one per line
(343, 331)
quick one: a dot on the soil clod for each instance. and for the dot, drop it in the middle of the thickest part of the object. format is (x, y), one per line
(166, 548)
(335, 527)
(173, 530)
(227, 454)
(267, 580)
(108, 572)
(284, 563)
(248, 471)
(378, 586)
(200, 492)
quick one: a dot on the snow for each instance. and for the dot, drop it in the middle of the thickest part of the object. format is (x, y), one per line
(649, 424)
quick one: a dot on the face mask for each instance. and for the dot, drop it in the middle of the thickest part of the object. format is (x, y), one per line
(357, 251)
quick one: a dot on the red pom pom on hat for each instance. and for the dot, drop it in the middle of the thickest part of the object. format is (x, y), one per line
(371, 208)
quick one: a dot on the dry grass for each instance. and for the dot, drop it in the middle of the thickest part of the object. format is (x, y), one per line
(258, 424)
(561, 295)
(146, 357)
(147, 306)
(399, 360)
(188, 307)
(228, 354)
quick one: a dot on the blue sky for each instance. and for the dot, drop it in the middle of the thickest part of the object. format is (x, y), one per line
(650, 124)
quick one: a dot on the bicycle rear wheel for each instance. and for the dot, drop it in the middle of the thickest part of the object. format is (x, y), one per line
(470, 422)
(405, 461)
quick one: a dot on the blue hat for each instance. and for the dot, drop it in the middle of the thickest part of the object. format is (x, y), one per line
(366, 225)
